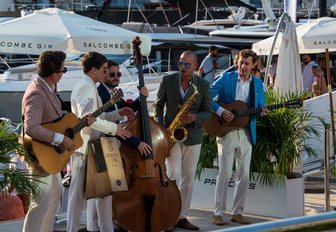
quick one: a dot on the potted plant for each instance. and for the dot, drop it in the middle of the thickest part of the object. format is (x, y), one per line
(24, 183)
(281, 137)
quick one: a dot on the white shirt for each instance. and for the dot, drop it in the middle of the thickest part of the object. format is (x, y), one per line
(307, 76)
(242, 93)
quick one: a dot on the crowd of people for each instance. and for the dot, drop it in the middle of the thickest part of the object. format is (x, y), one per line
(101, 77)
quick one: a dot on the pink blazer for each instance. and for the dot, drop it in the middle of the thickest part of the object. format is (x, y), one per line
(39, 106)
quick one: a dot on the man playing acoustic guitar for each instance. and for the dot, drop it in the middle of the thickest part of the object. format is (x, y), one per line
(41, 105)
(236, 144)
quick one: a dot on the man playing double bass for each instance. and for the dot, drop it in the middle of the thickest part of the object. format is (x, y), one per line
(174, 90)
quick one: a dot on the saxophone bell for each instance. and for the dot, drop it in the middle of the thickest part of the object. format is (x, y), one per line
(179, 134)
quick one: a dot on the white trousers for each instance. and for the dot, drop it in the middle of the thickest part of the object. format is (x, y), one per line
(181, 166)
(42, 216)
(76, 199)
(99, 214)
(234, 145)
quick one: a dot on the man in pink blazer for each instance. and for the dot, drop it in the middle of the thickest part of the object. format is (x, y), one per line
(41, 105)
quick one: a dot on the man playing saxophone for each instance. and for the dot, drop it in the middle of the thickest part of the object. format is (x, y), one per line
(176, 93)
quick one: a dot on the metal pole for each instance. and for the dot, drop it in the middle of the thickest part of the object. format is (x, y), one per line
(196, 17)
(129, 10)
(326, 167)
(332, 118)
(280, 27)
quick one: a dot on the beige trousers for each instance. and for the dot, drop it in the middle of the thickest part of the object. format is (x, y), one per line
(236, 145)
(181, 166)
(42, 216)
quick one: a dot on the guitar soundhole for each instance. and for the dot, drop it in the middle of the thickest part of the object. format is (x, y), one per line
(58, 149)
(69, 133)
(235, 113)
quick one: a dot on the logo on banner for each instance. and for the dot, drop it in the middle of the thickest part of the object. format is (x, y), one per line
(22, 45)
(325, 42)
(107, 45)
(232, 183)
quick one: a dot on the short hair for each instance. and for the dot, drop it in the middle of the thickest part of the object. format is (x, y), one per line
(93, 60)
(111, 63)
(50, 62)
(246, 53)
(315, 66)
(213, 48)
(190, 53)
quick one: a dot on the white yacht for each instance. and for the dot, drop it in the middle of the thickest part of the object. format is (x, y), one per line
(14, 82)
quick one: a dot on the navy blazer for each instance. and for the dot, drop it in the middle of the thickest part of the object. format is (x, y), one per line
(135, 106)
(106, 96)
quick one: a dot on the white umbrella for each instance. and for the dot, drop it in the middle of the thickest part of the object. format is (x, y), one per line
(313, 37)
(288, 72)
(56, 29)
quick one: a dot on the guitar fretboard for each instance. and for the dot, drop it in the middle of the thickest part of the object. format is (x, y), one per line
(95, 114)
(254, 111)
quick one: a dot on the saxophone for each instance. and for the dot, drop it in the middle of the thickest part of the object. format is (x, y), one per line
(177, 133)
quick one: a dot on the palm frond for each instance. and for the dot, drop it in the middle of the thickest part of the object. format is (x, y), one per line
(23, 182)
(282, 135)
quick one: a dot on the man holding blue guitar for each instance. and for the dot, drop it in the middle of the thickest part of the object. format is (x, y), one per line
(236, 142)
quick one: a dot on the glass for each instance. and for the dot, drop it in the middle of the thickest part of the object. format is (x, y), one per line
(185, 65)
(63, 71)
(113, 74)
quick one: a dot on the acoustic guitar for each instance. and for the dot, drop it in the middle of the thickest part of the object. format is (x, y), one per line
(218, 126)
(52, 159)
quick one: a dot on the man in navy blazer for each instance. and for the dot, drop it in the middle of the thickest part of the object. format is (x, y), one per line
(237, 144)
(112, 81)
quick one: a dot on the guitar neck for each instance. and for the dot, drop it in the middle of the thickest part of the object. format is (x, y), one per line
(254, 111)
(95, 114)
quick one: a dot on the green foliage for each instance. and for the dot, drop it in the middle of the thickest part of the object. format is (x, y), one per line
(23, 182)
(281, 136)
(208, 154)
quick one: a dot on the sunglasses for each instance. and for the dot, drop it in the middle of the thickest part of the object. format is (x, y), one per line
(63, 71)
(185, 65)
(113, 74)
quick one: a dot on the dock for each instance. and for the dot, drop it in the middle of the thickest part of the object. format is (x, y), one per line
(314, 199)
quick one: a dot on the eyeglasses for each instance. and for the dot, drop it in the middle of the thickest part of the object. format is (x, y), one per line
(113, 74)
(63, 71)
(185, 65)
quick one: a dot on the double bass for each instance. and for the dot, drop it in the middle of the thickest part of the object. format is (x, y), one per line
(153, 201)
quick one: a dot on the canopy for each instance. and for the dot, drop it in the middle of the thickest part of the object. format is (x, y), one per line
(313, 37)
(56, 29)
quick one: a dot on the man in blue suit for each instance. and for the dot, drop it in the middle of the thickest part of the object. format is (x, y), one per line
(237, 144)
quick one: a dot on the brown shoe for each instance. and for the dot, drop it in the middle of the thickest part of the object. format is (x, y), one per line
(218, 220)
(185, 224)
(240, 219)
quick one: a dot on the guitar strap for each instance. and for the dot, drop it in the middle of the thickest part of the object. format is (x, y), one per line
(65, 107)
(252, 94)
